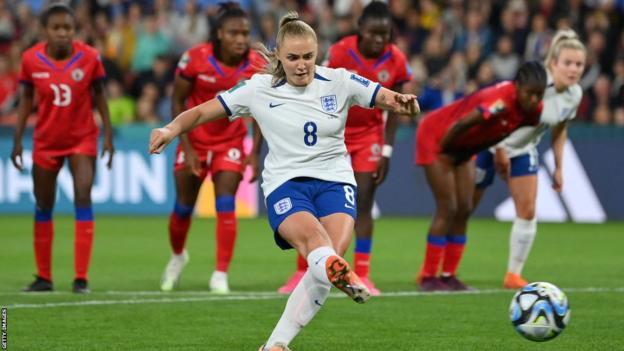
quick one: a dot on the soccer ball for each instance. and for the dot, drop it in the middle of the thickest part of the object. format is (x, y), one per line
(539, 311)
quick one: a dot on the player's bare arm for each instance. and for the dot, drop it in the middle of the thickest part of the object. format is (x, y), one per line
(184, 122)
(559, 136)
(459, 128)
(99, 98)
(398, 103)
(27, 94)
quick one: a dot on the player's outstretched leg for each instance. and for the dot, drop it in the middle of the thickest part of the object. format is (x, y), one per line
(291, 283)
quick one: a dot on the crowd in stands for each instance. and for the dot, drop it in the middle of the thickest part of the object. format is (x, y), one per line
(454, 46)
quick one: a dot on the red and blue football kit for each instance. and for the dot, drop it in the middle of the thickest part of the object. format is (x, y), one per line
(218, 144)
(364, 131)
(502, 115)
(65, 123)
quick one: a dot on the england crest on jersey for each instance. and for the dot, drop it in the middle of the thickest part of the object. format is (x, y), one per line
(329, 103)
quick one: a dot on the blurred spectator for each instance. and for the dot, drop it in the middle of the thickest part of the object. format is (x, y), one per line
(618, 117)
(8, 86)
(538, 40)
(505, 61)
(121, 107)
(602, 115)
(146, 105)
(189, 28)
(475, 32)
(151, 43)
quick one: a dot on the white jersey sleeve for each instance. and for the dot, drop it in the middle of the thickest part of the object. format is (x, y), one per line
(237, 100)
(362, 91)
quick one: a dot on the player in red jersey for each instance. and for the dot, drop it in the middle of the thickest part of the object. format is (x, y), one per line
(215, 148)
(66, 76)
(371, 55)
(447, 139)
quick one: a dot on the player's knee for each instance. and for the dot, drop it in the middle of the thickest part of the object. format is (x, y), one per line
(526, 211)
(464, 211)
(446, 212)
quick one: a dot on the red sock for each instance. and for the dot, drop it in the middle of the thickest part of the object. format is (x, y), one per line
(361, 263)
(453, 254)
(178, 231)
(226, 237)
(433, 255)
(44, 233)
(302, 263)
(83, 243)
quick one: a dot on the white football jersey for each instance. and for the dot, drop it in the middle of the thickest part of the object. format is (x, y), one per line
(303, 126)
(558, 107)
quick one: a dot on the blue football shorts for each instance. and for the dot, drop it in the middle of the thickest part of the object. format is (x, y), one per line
(318, 197)
(521, 165)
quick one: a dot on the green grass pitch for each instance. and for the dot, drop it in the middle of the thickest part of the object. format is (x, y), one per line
(126, 311)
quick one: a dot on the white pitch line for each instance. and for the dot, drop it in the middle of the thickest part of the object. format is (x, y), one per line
(255, 296)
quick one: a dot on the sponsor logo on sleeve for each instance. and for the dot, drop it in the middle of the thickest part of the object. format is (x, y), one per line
(365, 82)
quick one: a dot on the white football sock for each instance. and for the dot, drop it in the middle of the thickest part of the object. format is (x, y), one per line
(304, 302)
(520, 241)
(316, 262)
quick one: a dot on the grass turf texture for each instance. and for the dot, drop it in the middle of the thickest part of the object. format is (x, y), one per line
(126, 311)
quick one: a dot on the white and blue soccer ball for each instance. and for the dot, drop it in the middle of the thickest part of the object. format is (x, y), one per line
(539, 311)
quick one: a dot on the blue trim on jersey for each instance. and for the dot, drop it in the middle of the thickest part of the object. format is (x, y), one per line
(225, 106)
(320, 77)
(182, 211)
(242, 67)
(318, 197)
(372, 103)
(456, 239)
(84, 214)
(280, 83)
(72, 61)
(385, 57)
(436, 240)
(363, 245)
(43, 215)
(355, 57)
(225, 203)
(45, 60)
(215, 64)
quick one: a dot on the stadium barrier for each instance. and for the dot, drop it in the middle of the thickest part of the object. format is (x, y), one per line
(142, 184)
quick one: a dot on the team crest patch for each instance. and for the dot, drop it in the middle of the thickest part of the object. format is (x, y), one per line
(77, 74)
(497, 107)
(329, 103)
(282, 206)
(365, 82)
(234, 154)
(184, 61)
(383, 75)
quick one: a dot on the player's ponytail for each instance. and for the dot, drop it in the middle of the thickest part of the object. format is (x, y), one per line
(564, 39)
(290, 25)
(531, 73)
(226, 11)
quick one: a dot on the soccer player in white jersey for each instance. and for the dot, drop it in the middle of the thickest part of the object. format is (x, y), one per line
(308, 181)
(516, 157)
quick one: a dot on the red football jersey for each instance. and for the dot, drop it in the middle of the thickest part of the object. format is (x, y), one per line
(63, 92)
(502, 115)
(390, 69)
(209, 78)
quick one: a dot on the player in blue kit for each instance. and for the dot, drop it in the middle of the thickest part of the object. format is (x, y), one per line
(308, 181)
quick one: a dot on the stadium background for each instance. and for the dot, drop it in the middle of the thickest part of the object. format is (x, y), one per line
(454, 47)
